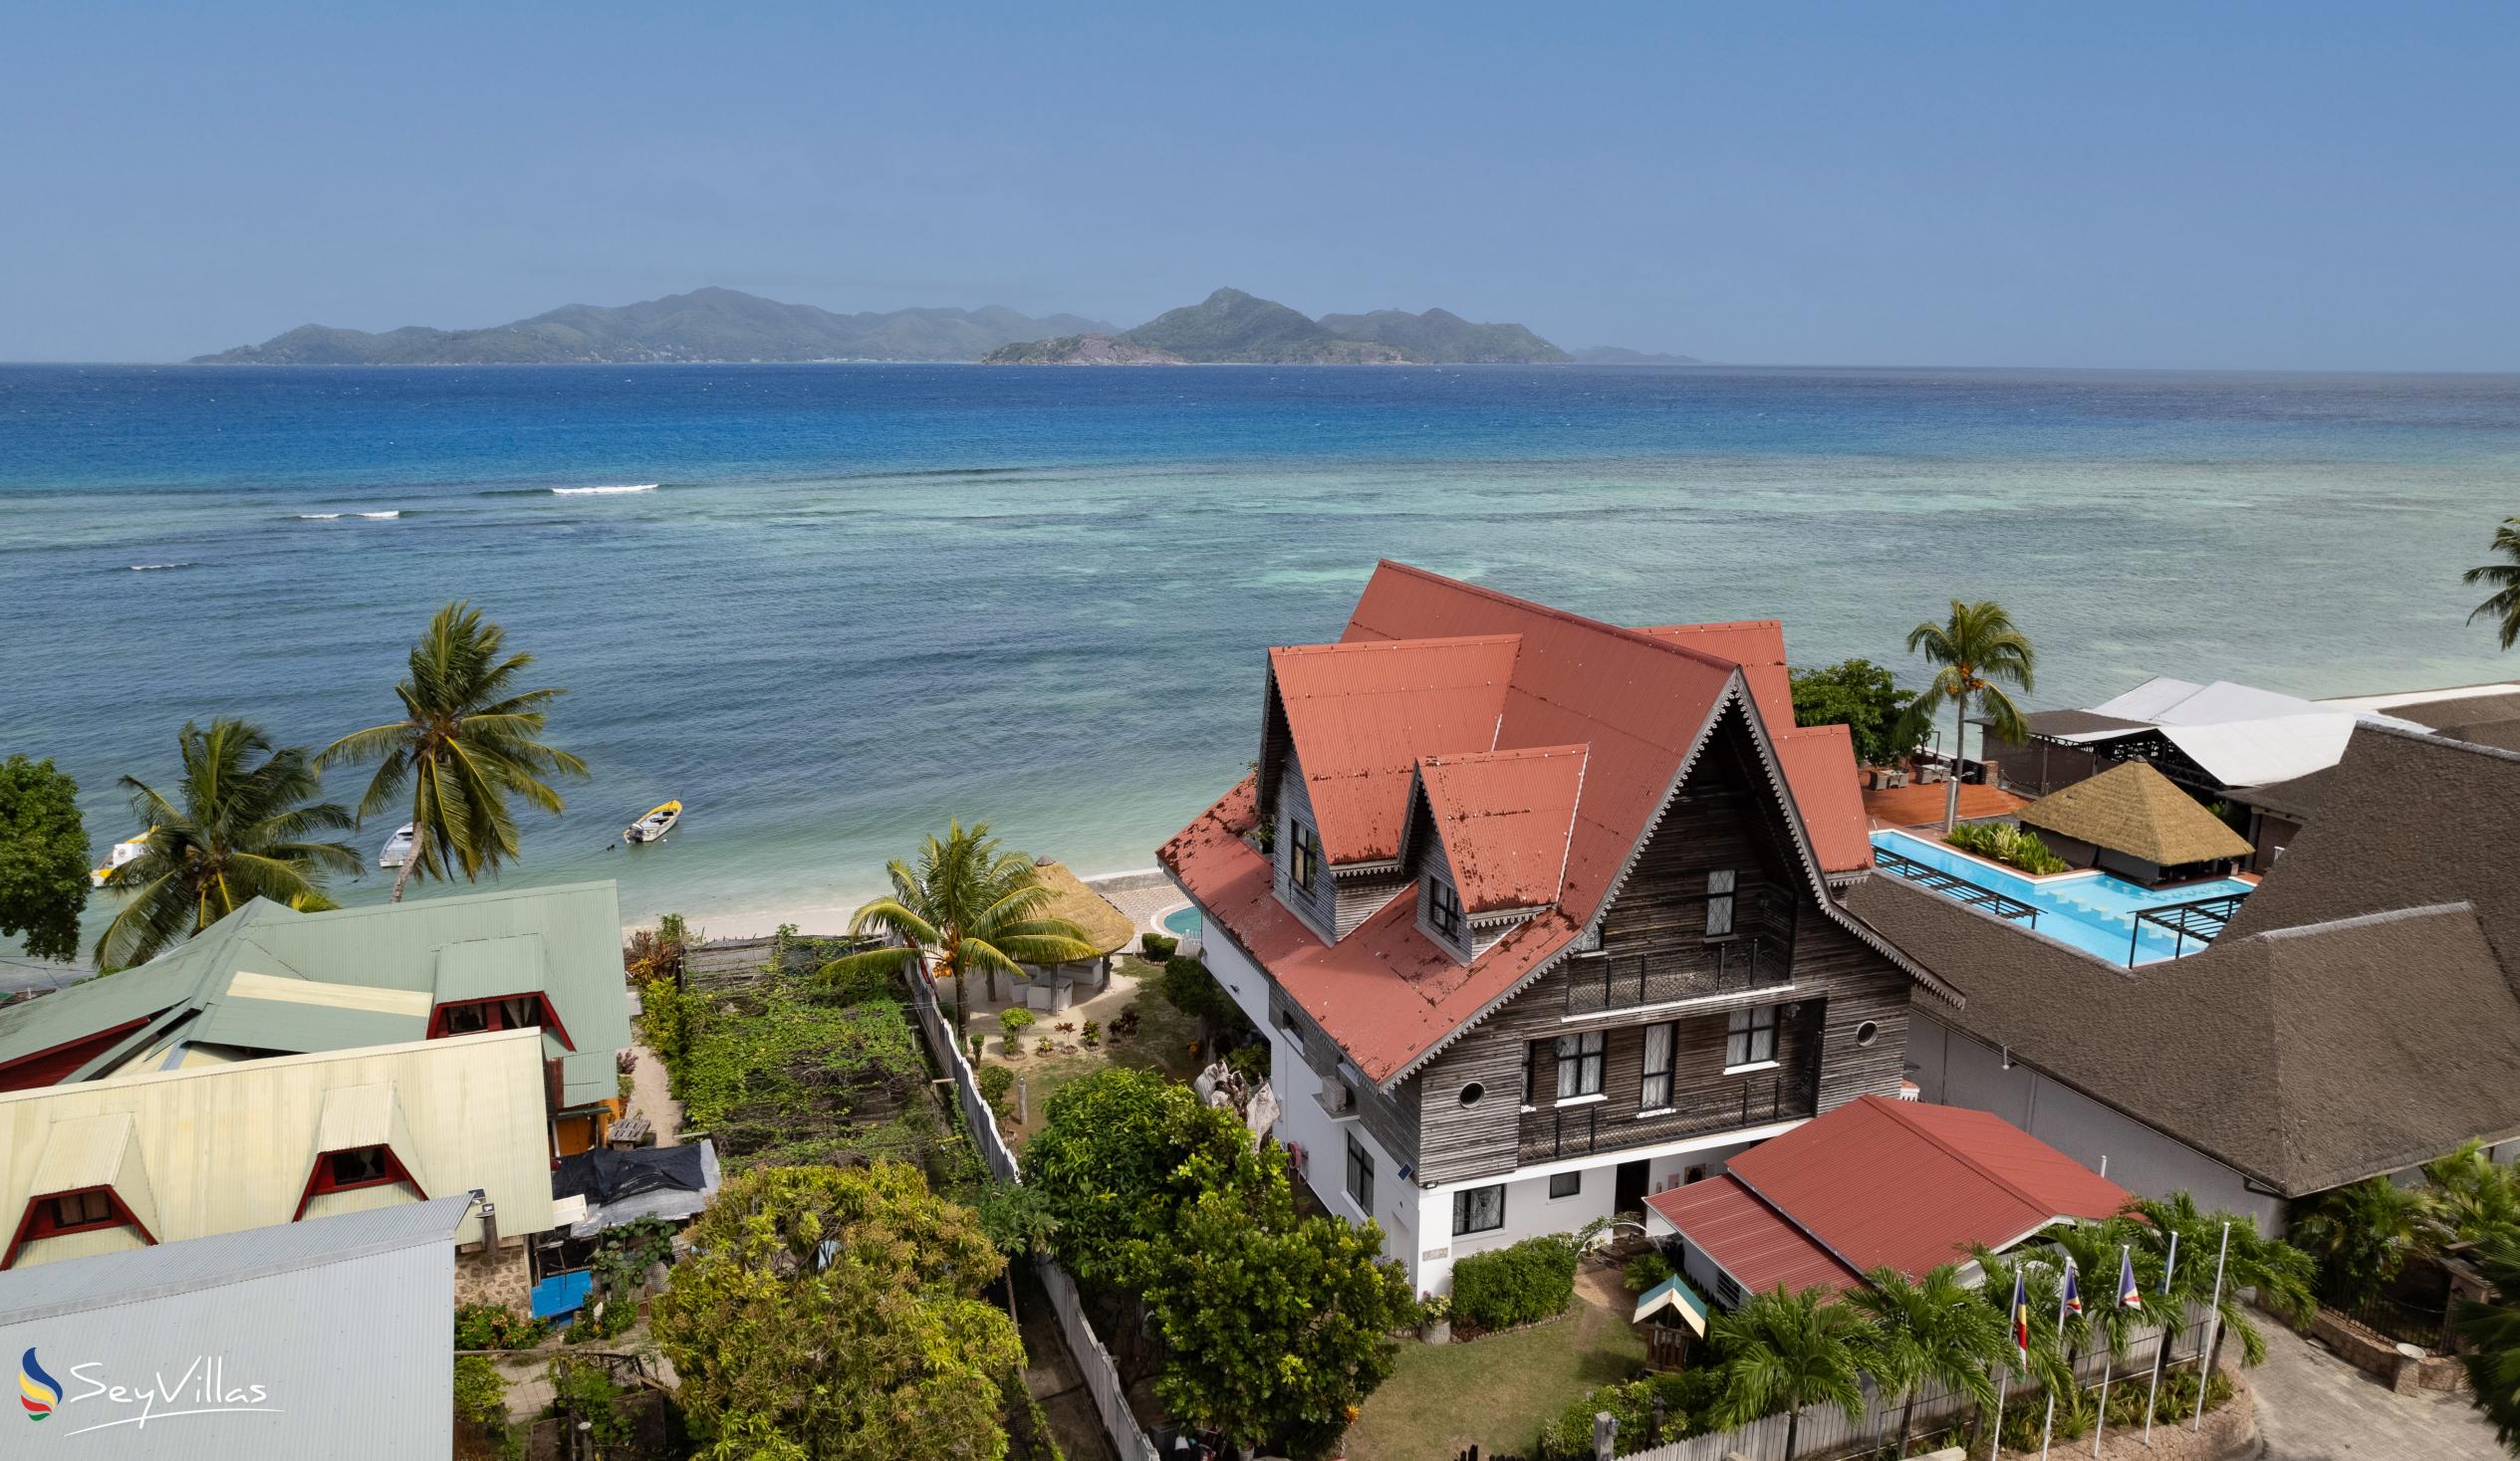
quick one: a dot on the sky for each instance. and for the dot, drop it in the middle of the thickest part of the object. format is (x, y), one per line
(2301, 186)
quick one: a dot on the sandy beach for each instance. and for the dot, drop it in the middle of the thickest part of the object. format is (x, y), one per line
(1144, 894)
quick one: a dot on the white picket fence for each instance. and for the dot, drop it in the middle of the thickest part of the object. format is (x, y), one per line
(1825, 1430)
(1102, 1376)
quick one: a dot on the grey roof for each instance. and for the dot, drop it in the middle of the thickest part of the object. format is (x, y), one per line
(2075, 723)
(77, 1285)
(2355, 1017)
(2442, 716)
(566, 940)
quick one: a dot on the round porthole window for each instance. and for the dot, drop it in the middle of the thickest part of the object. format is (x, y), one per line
(1867, 1031)
(1471, 1093)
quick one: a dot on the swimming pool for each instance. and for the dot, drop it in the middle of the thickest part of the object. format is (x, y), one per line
(1183, 921)
(2092, 911)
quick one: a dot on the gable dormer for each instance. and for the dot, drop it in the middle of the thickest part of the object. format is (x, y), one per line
(1488, 837)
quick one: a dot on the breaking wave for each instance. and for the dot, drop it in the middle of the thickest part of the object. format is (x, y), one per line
(155, 567)
(603, 491)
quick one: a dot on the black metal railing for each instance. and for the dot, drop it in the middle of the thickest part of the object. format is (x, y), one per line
(1736, 966)
(2202, 920)
(1951, 884)
(2398, 1318)
(1550, 1133)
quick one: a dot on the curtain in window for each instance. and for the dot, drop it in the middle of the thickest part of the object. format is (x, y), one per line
(1657, 1084)
(1478, 1210)
(1720, 887)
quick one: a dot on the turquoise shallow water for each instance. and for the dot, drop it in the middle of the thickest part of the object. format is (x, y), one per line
(864, 599)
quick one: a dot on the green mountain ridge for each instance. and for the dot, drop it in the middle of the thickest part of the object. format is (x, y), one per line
(1231, 326)
(1440, 335)
(705, 325)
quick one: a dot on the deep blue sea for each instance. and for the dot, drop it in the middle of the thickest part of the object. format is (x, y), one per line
(862, 599)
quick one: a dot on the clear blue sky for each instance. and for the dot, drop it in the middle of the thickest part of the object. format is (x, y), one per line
(2296, 185)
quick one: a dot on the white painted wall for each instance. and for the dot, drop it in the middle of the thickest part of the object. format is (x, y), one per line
(1952, 1068)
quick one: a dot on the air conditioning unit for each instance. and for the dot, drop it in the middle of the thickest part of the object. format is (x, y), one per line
(1338, 1097)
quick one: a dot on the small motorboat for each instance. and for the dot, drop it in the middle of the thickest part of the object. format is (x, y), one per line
(397, 848)
(124, 851)
(654, 827)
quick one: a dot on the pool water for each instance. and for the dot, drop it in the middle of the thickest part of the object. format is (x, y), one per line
(2092, 911)
(1183, 921)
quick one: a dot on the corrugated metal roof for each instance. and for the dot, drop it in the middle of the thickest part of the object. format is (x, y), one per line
(1504, 817)
(1749, 1239)
(76, 1284)
(1362, 714)
(1757, 645)
(487, 968)
(1819, 761)
(1902, 1184)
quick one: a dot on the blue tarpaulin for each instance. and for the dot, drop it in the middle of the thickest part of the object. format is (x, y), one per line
(562, 1294)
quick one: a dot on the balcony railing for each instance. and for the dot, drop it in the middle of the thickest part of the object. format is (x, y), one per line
(1737, 966)
(1551, 1132)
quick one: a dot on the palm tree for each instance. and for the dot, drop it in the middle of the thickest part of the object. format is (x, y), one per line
(2281, 1274)
(2472, 1196)
(2504, 601)
(1975, 649)
(2490, 1335)
(966, 905)
(1934, 1330)
(1783, 1351)
(243, 824)
(467, 742)
(2359, 1235)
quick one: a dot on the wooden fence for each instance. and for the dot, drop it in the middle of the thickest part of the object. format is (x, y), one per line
(1102, 1376)
(1825, 1431)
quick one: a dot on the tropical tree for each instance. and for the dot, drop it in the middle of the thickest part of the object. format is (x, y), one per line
(243, 824)
(1865, 698)
(2504, 603)
(1976, 651)
(2489, 1331)
(1120, 1151)
(2359, 1235)
(966, 905)
(1784, 1351)
(835, 1312)
(2472, 1198)
(43, 858)
(1929, 1331)
(2281, 1274)
(468, 741)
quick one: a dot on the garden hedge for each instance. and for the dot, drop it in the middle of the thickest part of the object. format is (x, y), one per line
(1531, 1281)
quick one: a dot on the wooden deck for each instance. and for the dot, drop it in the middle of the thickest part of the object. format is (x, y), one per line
(1921, 805)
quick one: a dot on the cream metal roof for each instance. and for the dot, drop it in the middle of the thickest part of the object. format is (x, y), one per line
(226, 1147)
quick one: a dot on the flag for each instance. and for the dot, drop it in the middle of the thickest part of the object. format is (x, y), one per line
(2128, 1295)
(2020, 1318)
(2073, 1293)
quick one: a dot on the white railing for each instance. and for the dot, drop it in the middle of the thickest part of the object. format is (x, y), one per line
(1102, 1376)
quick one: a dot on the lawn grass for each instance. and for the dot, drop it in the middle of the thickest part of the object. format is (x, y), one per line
(1493, 1394)
(1161, 1044)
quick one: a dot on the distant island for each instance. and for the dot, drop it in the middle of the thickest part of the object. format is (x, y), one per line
(706, 325)
(727, 326)
(1230, 327)
(1611, 354)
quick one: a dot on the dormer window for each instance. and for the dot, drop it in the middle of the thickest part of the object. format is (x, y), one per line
(509, 1012)
(59, 1214)
(1444, 909)
(353, 1168)
(1303, 858)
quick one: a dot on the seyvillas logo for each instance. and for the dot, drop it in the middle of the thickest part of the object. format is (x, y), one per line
(38, 1391)
(201, 1387)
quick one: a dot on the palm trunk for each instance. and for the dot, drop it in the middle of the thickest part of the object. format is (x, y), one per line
(1793, 1428)
(402, 875)
(1906, 1415)
(1951, 792)
(963, 1001)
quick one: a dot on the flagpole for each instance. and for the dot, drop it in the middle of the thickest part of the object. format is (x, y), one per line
(2003, 1383)
(2213, 1326)
(2047, 1430)
(2161, 1340)
(2125, 1279)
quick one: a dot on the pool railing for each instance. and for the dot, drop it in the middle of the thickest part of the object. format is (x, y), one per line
(1955, 887)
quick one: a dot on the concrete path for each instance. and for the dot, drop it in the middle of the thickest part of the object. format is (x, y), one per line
(651, 1093)
(2313, 1406)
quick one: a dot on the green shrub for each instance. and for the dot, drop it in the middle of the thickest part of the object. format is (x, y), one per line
(1250, 1061)
(996, 1084)
(481, 1393)
(2010, 845)
(1015, 1022)
(1092, 1035)
(1189, 988)
(585, 1392)
(1531, 1281)
(1158, 946)
(1646, 1270)
(496, 1327)
(859, 986)
(1682, 1396)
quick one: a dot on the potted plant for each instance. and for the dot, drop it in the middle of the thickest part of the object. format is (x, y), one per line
(1434, 1319)
(1015, 1022)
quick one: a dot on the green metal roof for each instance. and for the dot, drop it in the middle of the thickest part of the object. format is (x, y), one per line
(562, 941)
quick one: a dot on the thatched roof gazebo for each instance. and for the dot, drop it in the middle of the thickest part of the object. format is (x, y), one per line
(1106, 927)
(2134, 821)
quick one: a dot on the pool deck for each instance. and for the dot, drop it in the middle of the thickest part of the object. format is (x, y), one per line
(1921, 805)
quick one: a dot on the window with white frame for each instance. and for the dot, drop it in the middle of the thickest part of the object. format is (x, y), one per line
(1444, 909)
(1660, 1042)
(1720, 887)
(1580, 1065)
(1359, 1175)
(1478, 1210)
(1750, 1037)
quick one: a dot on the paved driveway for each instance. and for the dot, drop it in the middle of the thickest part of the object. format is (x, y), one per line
(2313, 1406)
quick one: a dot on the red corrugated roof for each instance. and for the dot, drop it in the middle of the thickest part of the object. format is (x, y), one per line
(1758, 647)
(1505, 818)
(1637, 702)
(1910, 1185)
(1362, 714)
(1749, 1239)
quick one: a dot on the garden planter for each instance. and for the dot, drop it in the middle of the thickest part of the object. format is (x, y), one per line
(1436, 1331)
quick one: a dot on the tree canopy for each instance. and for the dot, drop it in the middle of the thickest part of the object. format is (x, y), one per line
(2503, 605)
(1112, 1164)
(43, 858)
(1863, 696)
(834, 1313)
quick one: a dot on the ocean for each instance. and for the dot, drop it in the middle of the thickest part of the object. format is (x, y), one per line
(831, 607)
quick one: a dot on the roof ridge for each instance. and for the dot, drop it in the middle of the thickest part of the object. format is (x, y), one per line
(1455, 757)
(1891, 1108)
(1336, 645)
(2362, 920)
(1637, 636)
